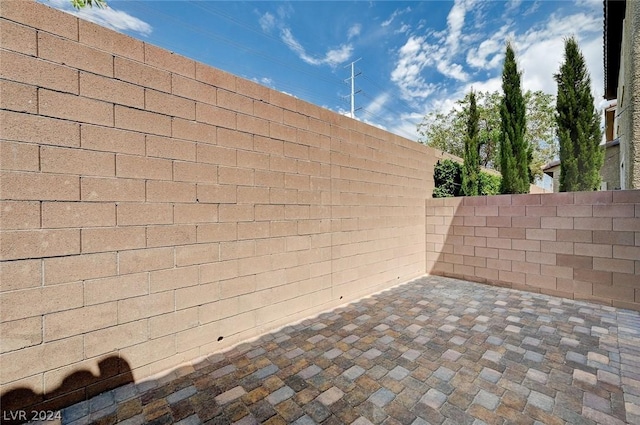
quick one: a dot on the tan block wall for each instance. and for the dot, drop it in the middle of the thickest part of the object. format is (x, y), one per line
(155, 209)
(583, 245)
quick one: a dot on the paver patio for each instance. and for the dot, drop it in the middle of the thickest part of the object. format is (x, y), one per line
(432, 351)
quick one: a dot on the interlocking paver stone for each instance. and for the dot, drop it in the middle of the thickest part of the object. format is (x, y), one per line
(433, 398)
(433, 351)
(487, 400)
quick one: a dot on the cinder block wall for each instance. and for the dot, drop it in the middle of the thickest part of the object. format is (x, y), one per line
(583, 245)
(155, 209)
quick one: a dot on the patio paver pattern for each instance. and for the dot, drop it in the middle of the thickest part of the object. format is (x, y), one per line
(433, 351)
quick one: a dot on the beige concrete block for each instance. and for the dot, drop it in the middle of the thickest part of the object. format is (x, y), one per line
(144, 260)
(111, 90)
(20, 334)
(193, 131)
(237, 249)
(215, 116)
(104, 189)
(626, 224)
(178, 234)
(19, 38)
(19, 215)
(236, 213)
(70, 53)
(195, 213)
(192, 296)
(112, 239)
(81, 320)
(17, 96)
(196, 173)
(79, 267)
(37, 72)
(613, 265)
(216, 194)
(192, 89)
(253, 230)
(593, 223)
(170, 148)
(169, 279)
(626, 252)
(173, 322)
(21, 274)
(140, 167)
(142, 121)
(98, 291)
(136, 214)
(111, 41)
(107, 340)
(23, 244)
(40, 358)
(170, 61)
(39, 187)
(75, 108)
(217, 232)
(222, 270)
(111, 140)
(146, 306)
(168, 104)
(252, 125)
(141, 74)
(166, 191)
(19, 156)
(149, 351)
(237, 286)
(77, 214)
(197, 254)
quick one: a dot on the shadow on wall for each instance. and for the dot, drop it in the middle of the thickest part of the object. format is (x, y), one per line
(23, 404)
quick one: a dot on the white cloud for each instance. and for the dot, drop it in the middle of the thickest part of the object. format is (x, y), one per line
(354, 31)
(540, 50)
(333, 57)
(489, 53)
(394, 15)
(412, 59)
(108, 17)
(377, 104)
(455, 22)
(419, 53)
(267, 22)
(403, 29)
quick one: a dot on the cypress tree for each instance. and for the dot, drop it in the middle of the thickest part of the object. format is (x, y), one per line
(515, 154)
(471, 167)
(578, 124)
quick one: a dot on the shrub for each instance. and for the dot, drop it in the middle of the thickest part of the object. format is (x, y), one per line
(489, 183)
(447, 176)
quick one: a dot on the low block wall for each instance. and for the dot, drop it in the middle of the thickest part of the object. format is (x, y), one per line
(575, 245)
(155, 209)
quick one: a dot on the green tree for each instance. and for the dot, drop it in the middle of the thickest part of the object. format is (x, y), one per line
(79, 4)
(447, 179)
(578, 124)
(515, 154)
(471, 166)
(541, 134)
(445, 130)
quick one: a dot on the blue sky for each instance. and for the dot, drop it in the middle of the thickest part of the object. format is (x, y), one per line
(414, 57)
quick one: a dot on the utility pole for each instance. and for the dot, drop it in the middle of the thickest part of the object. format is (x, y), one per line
(353, 87)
